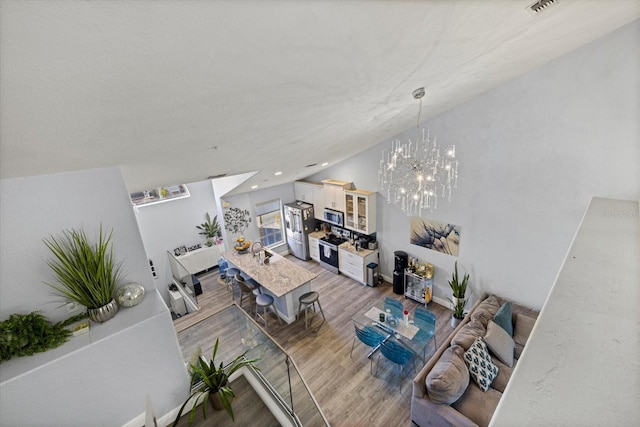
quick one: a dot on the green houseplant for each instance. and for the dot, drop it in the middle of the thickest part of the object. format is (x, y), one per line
(458, 287)
(209, 379)
(458, 290)
(86, 273)
(210, 228)
(27, 334)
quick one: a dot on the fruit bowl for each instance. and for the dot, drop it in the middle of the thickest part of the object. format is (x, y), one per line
(242, 246)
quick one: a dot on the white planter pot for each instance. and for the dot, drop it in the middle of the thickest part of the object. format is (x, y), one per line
(455, 322)
(456, 300)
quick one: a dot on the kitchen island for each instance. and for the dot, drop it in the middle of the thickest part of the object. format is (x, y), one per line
(280, 278)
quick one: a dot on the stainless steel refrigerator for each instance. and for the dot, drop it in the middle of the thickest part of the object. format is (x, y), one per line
(299, 222)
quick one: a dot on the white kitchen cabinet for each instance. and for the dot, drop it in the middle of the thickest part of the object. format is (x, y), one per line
(354, 264)
(334, 193)
(311, 192)
(314, 248)
(360, 211)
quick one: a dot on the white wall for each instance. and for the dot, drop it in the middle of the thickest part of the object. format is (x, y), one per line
(532, 154)
(166, 226)
(100, 378)
(249, 201)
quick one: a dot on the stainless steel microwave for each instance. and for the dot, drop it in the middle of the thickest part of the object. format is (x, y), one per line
(334, 217)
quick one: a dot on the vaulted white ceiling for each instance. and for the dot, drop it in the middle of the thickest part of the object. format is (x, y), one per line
(177, 91)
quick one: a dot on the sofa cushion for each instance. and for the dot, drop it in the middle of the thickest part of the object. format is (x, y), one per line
(524, 325)
(499, 383)
(486, 309)
(478, 406)
(481, 367)
(500, 343)
(503, 318)
(521, 332)
(468, 334)
(449, 377)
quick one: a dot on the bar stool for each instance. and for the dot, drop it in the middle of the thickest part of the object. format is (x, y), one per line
(245, 289)
(309, 300)
(229, 275)
(265, 301)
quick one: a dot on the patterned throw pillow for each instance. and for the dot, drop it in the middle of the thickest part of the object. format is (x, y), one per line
(481, 367)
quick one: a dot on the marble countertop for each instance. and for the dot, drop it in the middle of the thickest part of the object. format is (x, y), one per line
(318, 234)
(352, 249)
(280, 276)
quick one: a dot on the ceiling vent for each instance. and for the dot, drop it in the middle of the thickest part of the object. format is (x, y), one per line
(541, 5)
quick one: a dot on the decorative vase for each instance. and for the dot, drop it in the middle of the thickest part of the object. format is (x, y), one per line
(215, 401)
(130, 294)
(104, 313)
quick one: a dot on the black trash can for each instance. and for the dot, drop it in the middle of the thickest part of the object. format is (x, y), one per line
(398, 282)
(197, 287)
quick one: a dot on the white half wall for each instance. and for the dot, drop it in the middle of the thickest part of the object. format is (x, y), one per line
(580, 366)
(532, 154)
(104, 376)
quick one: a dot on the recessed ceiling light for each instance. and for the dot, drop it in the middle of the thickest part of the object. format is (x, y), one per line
(278, 173)
(253, 187)
(325, 163)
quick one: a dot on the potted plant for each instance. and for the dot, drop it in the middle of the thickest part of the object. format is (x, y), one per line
(458, 287)
(458, 313)
(86, 274)
(210, 228)
(458, 290)
(210, 380)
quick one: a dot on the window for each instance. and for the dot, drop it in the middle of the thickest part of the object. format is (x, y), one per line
(269, 220)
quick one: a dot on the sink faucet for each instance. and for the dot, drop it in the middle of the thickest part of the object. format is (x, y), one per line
(254, 244)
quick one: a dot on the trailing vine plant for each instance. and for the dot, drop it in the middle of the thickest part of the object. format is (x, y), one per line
(27, 334)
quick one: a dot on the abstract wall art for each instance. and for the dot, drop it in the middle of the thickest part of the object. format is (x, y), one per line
(435, 235)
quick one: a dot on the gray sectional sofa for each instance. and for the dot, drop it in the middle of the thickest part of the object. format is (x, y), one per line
(444, 392)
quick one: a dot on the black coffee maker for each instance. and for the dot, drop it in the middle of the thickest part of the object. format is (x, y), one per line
(401, 262)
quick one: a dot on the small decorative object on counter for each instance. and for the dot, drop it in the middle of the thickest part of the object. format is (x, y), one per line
(130, 294)
(405, 316)
(242, 245)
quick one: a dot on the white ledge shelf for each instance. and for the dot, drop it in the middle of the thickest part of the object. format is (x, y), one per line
(159, 195)
(580, 365)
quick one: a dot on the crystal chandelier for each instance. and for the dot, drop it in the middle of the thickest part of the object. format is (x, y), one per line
(414, 174)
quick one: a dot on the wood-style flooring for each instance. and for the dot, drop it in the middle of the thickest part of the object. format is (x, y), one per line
(346, 391)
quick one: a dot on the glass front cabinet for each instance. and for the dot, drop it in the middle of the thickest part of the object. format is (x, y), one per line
(360, 211)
